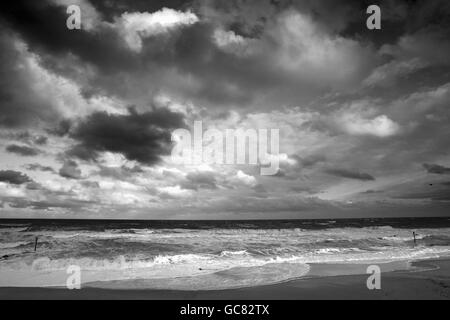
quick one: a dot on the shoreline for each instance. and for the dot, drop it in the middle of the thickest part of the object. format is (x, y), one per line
(425, 279)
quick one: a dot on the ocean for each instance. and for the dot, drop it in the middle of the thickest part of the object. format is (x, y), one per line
(204, 255)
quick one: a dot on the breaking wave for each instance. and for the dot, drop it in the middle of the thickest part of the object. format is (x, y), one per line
(202, 258)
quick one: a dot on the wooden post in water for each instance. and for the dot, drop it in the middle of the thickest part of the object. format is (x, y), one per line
(414, 235)
(35, 243)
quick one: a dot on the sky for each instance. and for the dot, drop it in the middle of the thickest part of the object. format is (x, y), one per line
(86, 116)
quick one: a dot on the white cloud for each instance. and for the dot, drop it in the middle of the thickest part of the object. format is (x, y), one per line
(310, 52)
(231, 42)
(114, 160)
(136, 26)
(386, 74)
(7, 190)
(62, 94)
(125, 198)
(57, 184)
(174, 191)
(119, 185)
(380, 126)
(242, 178)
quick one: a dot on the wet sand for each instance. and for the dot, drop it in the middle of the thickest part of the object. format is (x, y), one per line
(425, 280)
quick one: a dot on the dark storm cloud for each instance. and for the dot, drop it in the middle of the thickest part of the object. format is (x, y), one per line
(14, 177)
(221, 77)
(61, 129)
(19, 106)
(22, 150)
(303, 189)
(40, 140)
(339, 18)
(82, 152)
(399, 17)
(199, 180)
(344, 173)
(143, 137)
(119, 173)
(32, 139)
(259, 188)
(43, 26)
(39, 167)
(371, 192)
(34, 186)
(278, 67)
(28, 138)
(90, 184)
(436, 169)
(70, 170)
(309, 161)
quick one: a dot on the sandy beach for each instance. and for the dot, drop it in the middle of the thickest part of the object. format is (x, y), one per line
(425, 280)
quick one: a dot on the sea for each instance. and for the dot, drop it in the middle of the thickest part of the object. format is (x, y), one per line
(205, 255)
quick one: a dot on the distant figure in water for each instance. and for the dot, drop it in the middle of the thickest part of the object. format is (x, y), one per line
(414, 235)
(35, 244)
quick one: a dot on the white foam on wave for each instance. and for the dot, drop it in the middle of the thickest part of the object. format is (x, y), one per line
(10, 245)
(188, 265)
(47, 272)
(334, 250)
(236, 277)
(227, 253)
(288, 237)
(13, 229)
(281, 249)
(403, 239)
